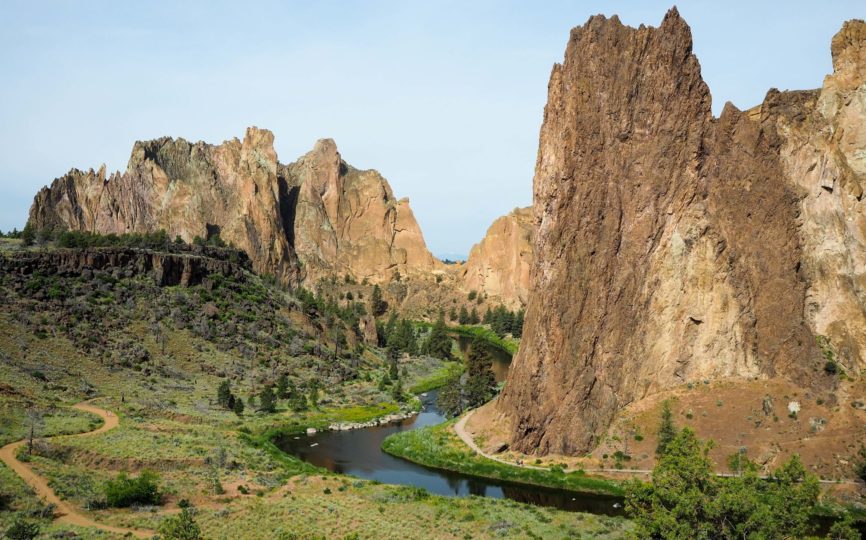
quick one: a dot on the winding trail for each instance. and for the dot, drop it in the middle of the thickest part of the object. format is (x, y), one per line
(65, 512)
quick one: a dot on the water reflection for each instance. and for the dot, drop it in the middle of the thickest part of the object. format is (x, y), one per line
(358, 453)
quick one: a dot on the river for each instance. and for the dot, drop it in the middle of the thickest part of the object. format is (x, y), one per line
(359, 453)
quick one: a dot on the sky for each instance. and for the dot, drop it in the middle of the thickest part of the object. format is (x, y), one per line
(444, 98)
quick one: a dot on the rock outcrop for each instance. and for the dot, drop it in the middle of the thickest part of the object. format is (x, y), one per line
(671, 246)
(167, 268)
(499, 264)
(347, 221)
(315, 218)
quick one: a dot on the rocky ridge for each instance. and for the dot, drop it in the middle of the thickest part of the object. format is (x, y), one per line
(499, 265)
(317, 217)
(671, 246)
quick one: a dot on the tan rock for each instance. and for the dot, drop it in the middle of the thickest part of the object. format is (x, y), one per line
(317, 217)
(499, 264)
(672, 246)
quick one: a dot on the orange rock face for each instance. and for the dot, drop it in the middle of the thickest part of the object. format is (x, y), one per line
(499, 264)
(672, 246)
(317, 217)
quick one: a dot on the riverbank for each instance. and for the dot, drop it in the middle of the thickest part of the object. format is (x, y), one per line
(439, 447)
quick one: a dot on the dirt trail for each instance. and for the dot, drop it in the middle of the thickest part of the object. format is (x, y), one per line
(66, 512)
(460, 430)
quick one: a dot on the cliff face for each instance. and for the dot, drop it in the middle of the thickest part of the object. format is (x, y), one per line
(671, 246)
(184, 268)
(348, 221)
(313, 218)
(499, 264)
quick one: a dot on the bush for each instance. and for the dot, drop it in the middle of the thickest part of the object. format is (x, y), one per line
(180, 527)
(22, 530)
(831, 367)
(123, 491)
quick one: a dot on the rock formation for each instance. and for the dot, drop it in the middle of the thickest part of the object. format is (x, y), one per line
(671, 246)
(314, 218)
(168, 267)
(347, 221)
(499, 264)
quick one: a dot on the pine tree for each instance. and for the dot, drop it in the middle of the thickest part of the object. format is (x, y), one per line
(667, 430)
(452, 315)
(438, 344)
(463, 318)
(267, 400)
(488, 316)
(238, 406)
(224, 394)
(283, 386)
(450, 399)
(473, 317)
(377, 304)
(480, 383)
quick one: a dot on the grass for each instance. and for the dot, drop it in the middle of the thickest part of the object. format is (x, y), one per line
(169, 421)
(508, 345)
(439, 447)
(438, 378)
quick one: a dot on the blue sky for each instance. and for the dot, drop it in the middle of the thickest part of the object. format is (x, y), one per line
(444, 98)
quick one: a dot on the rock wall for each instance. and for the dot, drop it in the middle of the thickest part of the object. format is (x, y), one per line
(314, 218)
(671, 246)
(166, 268)
(499, 264)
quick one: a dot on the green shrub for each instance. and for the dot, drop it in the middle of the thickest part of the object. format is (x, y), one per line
(22, 530)
(124, 491)
(180, 527)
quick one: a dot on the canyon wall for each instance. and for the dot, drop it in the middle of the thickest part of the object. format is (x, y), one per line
(317, 217)
(499, 264)
(671, 246)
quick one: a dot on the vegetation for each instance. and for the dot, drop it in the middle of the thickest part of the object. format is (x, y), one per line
(123, 491)
(438, 343)
(686, 499)
(180, 527)
(667, 431)
(440, 448)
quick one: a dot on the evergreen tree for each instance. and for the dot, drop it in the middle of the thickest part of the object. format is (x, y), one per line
(377, 304)
(438, 344)
(450, 399)
(452, 314)
(517, 328)
(28, 235)
(283, 386)
(488, 316)
(473, 317)
(267, 401)
(480, 383)
(224, 394)
(397, 391)
(463, 318)
(238, 406)
(667, 430)
(687, 500)
(393, 371)
(391, 329)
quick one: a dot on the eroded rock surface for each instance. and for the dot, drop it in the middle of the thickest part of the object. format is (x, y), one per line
(499, 264)
(671, 246)
(317, 217)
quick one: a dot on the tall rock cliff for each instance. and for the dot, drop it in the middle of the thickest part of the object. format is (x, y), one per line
(348, 221)
(313, 218)
(671, 246)
(499, 264)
